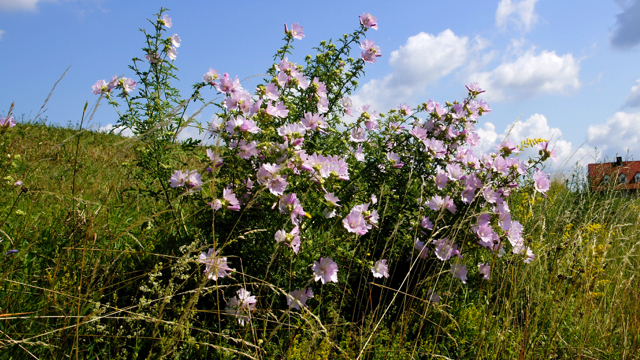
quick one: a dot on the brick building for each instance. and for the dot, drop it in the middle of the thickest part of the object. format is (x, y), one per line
(625, 175)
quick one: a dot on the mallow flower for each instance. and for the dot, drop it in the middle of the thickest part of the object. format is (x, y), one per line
(459, 271)
(242, 305)
(380, 269)
(298, 298)
(326, 270)
(216, 267)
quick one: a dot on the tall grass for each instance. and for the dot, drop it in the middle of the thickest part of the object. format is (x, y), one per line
(103, 271)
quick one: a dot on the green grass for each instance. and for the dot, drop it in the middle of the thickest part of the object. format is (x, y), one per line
(105, 271)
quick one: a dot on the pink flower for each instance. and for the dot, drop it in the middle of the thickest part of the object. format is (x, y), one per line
(459, 271)
(215, 158)
(446, 248)
(18, 183)
(395, 160)
(99, 87)
(369, 21)
(166, 21)
(242, 306)
(355, 221)
(291, 239)
(298, 298)
(371, 51)
(485, 270)
(128, 85)
(289, 204)
(441, 180)
(357, 135)
(152, 58)
(296, 31)
(216, 267)
(326, 270)
(172, 53)
(544, 150)
(359, 153)
(229, 201)
(347, 104)
(211, 76)
(271, 92)
(405, 110)
(474, 88)
(280, 110)
(314, 121)
(227, 85)
(332, 199)
(277, 185)
(175, 40)
(177, 179)
(541, 181)
(193, 180)
(8, 122)
(426, 223)
(380, 269)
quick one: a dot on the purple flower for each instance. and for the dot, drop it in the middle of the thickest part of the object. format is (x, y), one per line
(426, 223)
(369, 21)
(326, 270)
(380, 269)
(242, 306)
(441, 180)
(216, 267)
(459, 271)
(276, 185)
(357, 135)
(332, 199)
(433, 296)
(193, 180)
(11, 252)
(485, 270)
(298, 298)
(420, 246)
(18, 183)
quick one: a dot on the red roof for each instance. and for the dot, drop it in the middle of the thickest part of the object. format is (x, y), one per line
(615, 171)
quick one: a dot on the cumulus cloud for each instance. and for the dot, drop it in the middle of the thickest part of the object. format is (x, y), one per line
(619, 135)
(633, 99)
(626, 32)
(422, 61)
(521, 14)
(11, 5)
(530, 75)
(535, 127)
(116, 130)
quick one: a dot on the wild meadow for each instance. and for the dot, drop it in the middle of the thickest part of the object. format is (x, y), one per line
(303, 227)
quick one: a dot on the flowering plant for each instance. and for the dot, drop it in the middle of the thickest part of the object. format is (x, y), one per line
(297, 177)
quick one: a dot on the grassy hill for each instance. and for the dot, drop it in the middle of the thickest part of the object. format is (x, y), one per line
(101, 269)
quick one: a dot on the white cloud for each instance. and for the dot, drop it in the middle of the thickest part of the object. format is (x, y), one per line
(535, 127)
(116, 130)
(1, 33)
(633, 100)
(530, 75)
(18, 4)
(422, 61)
(626, 33)
(619, 135)
(522, 14)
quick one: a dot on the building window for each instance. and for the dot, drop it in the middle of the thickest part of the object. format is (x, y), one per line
(606, 179)
(622, 179)
(636, 178)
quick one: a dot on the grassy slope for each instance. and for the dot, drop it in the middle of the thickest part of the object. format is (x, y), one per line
(82, 237)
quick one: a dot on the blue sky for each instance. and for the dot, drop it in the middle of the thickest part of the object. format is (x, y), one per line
(570, 72)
